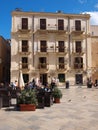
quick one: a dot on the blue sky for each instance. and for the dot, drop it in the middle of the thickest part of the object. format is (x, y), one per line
(67, 6)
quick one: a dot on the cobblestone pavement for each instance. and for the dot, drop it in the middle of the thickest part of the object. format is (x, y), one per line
(78, 110)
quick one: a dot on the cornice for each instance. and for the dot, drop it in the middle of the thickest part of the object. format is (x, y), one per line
(94, 36)
(71, 16)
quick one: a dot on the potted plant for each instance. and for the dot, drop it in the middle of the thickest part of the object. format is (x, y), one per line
(27, 100)
(57, 95)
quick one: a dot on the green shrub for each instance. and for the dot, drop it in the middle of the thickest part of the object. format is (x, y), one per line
(27, 97)
(57, 93)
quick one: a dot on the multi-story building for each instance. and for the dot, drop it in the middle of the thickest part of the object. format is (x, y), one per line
(47, 45)
(94, 51)
(4, 60)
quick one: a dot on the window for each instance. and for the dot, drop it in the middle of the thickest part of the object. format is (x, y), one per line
(78, 47)
(43, 78)
(61, 46)
(24, 23)
(79, 79)
(61, 77)
(24, 46)
(42, 62)
(42, 23)
(78, 63)
(43, 46)
(60, 24)
(78, 25)
(61, 63)
(24, 62)
(26, 78)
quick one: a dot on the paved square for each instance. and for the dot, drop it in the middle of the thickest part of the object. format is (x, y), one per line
(78, 110)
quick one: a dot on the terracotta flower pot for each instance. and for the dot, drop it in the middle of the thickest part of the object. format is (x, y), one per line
(56, 100)
(27, 107)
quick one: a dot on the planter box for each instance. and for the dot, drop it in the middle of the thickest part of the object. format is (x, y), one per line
(56, 100)
(27, 107)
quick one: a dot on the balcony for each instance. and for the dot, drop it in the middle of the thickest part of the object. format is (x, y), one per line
(78, 66)
(24, 67)
(24, 50)
(61, 50)
(26, 30)
(43, 66)
(61, 67)
(75, 30)
(52, 49)
(42, 50)
(51, 29)
(78, 52)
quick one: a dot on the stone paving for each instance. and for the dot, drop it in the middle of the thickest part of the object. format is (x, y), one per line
(78, 110)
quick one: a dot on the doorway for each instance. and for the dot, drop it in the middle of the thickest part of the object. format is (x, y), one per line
(43, 79)
(79, 79)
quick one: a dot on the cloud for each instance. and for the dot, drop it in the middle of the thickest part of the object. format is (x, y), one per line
(94, 17)
(96, 6)
(82, 1)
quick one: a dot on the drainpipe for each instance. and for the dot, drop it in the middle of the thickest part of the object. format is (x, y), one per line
(69, 39)
(86, 50)
(33, 41)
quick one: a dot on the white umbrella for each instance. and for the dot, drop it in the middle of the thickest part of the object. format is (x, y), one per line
(21, 81)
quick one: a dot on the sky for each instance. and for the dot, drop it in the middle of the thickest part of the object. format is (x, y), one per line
(67, 6)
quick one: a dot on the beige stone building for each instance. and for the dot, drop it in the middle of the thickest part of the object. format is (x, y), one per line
(4, 60)
(48, 45)
(94, 51)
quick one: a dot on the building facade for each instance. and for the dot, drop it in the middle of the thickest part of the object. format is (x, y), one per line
(94, 51)
(48, 45)
(4, 60)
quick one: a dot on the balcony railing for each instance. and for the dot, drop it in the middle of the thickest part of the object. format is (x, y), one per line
(79, 51)
(43, 66)
(78, 65)
(24, 50)
(52, 49)
(24, 66)
(61, 66)
(19, 28)
(52, 28)
(79, 30)
(62, 49)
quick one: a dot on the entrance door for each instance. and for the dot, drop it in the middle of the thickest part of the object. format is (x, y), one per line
(26, 78)
(43, 79)
(79, 79)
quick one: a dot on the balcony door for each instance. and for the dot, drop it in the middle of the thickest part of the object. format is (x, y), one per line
(78, 25)
(24, 62)
(43, 24)
(61, 46)
(78, 63)
(60, 24)
(24, 23)
(61, 62)
(78, 47)
(24, 46)
(42, 63)
(43, 46)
